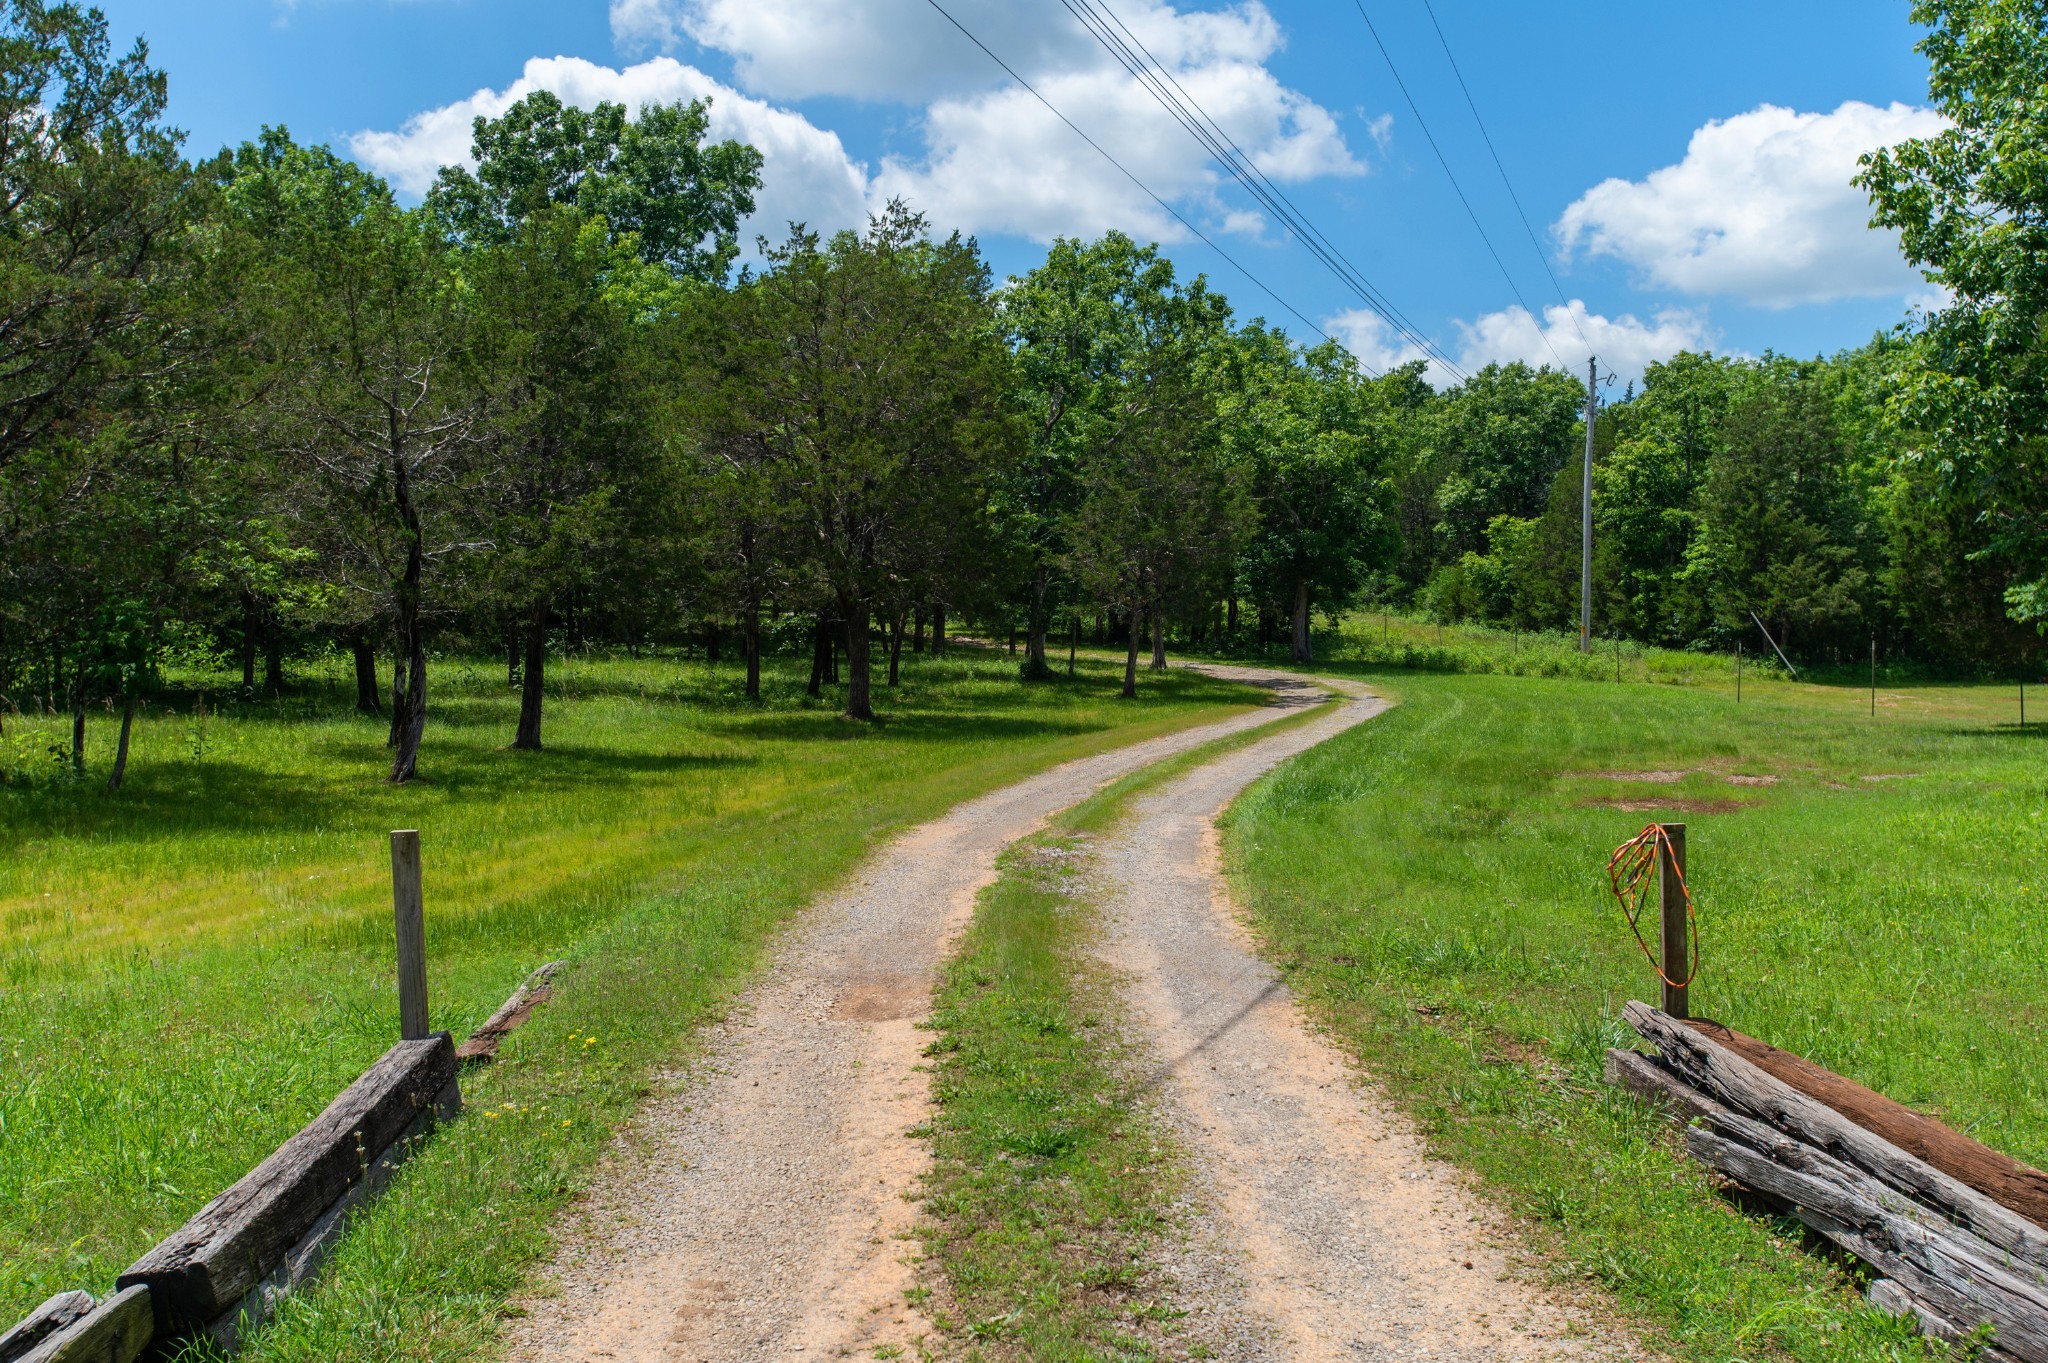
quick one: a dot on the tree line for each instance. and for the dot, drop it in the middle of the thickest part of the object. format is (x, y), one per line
(254, 404)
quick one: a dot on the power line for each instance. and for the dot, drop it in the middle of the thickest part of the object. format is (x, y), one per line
(1263, 286)
(1460, 189)
(1156, 77)
(1152, 75)
(1508, 184)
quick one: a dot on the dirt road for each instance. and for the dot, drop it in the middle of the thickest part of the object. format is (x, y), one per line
(1346, 1241)
(760, 1211)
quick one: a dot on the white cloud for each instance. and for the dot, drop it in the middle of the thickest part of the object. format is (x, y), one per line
(1003, 162)
(806, 174)
(993, 160)
(1761, 207)
(1626, 345)
(906, 52)
(645, 25)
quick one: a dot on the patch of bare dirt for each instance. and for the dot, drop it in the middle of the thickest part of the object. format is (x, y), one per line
(1679, 806)
(1893, 776)
(1654, 778)
(1742, 780)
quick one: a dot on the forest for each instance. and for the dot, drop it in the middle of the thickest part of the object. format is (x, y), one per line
(253, 407)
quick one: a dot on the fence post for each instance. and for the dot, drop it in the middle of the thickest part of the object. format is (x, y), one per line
(1677, 960)
(409, 913)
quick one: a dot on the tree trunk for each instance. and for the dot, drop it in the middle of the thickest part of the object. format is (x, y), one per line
(1035, 664)
(834, 639)
(397, 696)
(1159, 639)
(78, 722)
(1131, 657)
(367, 700)
(1230, 619)
(896, 649)
(752, 644)
(411, 717)
(273, 664)
(938, 628)
(532, 692)
(821, 648)
(1304, 649)
(711, 641)
(120, 771)
(858, 703)
(917, 630)
(249, 621)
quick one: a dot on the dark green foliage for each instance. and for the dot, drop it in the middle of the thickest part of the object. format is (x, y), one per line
(652, 177)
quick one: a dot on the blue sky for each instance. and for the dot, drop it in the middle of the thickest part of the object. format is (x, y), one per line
(1684, 168)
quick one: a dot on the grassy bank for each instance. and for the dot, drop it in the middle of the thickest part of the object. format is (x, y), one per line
(1052, 1183)
(1435, 882)
(196, 965)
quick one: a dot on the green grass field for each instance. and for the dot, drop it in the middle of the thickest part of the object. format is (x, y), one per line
(193, 967)
(1435, 881)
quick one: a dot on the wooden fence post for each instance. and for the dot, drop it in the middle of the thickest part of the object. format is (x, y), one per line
(1675, 937)
(409, 912)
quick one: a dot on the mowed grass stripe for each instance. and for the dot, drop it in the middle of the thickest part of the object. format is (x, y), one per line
(1435, 884)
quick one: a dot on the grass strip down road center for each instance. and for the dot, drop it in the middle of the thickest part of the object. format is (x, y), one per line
(1052, 1181)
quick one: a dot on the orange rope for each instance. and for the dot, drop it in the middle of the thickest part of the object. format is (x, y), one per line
(1630, 871)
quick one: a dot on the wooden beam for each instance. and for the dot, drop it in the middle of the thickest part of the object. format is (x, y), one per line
(2016, 1186)
(1947, 1270)
(64, 1309)
(116, 1331)
(483, 1043)
(1647, 1079)
(304, 1259)
(1741, 1086)
(208, 1265)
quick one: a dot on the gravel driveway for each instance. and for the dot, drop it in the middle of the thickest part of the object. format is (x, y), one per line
(762, 1209)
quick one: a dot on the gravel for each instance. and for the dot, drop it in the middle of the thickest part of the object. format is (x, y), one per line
(762, 1206)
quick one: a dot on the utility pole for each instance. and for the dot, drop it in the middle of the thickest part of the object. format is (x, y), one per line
(1586, 510)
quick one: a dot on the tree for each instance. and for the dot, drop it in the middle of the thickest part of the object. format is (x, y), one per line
(90, 202)
(1305, 426)
(570, 470)
(1971, 204)
(1495, 444)
(1782, 529)
(859, 386)
(378, 409)
(1158, 510)
(651, 178)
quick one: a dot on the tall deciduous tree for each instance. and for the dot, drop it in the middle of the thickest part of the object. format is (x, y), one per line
(860, 386)
(1305, 426)
(1158, 511)
(1971, 204)
(378, 408)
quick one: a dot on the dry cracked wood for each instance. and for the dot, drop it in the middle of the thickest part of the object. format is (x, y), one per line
(2000, 1177)
(115, 1331)
(1952, 1272)
(1748, 1090)
(205, 1268)
(483, 1043)
(60, 1311)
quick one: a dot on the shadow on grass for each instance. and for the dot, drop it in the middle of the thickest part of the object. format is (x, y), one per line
(221, 796)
